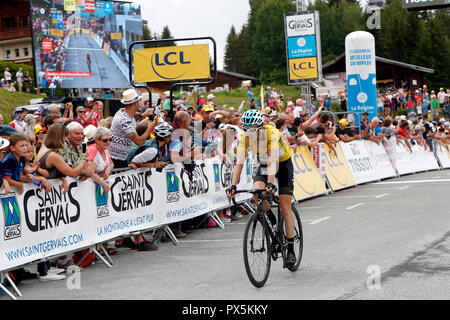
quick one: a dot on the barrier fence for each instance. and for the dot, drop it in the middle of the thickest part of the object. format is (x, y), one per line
(39, 226)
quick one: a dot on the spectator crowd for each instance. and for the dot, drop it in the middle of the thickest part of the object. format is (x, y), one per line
(83, 144)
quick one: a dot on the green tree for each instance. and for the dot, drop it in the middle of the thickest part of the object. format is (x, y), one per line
(147, 35)
(233, 52)
(266, 39)
(167, 35)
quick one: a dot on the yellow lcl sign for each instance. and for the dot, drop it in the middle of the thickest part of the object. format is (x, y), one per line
(171, 63)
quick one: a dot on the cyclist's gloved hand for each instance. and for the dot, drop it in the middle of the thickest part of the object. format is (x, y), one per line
(270, 187)
(231, 191)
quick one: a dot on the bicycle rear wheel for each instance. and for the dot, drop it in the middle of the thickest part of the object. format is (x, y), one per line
(257, 252)
(298, 238)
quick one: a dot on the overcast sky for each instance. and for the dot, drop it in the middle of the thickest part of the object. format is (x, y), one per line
(196, 18)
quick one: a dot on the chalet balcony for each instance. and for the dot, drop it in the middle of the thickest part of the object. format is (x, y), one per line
(14, 33)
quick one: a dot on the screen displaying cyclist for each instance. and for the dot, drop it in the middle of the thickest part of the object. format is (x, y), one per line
(274, 160)
(88, 61)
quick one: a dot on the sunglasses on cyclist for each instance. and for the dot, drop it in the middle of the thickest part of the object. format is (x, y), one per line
(106, 140)
(250, 130)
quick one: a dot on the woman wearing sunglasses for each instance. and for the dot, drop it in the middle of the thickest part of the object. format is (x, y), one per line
(99, 158)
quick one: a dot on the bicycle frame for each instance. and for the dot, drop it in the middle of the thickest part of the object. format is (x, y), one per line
(275, 238)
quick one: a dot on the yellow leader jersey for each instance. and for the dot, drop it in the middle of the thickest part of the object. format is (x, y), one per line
(268, 138)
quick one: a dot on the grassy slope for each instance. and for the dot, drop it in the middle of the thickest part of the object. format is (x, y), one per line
(233, 98)
(10, 100)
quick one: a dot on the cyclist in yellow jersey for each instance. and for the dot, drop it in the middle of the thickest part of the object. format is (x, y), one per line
(274, 159)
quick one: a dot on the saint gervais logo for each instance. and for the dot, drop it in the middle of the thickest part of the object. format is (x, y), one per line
(226, 173)
(12, 216)
(131, 191)
(216, 176)
(173, 189)
(299, 24)
(102, 201)
(195, 182)
(50, 210)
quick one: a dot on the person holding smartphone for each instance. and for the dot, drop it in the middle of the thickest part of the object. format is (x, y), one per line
(18, 122)
(94, 112)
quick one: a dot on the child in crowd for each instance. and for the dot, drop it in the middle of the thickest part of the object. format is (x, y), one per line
(4, 143)
(37, 173)
(14, 163)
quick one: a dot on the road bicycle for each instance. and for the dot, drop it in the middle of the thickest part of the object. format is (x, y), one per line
(264, 242)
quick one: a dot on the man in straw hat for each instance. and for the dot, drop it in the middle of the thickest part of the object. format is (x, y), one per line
(123, 133)
(123, 128)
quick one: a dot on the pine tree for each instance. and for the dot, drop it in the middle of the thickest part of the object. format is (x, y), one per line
(233, 52)
(167, 35)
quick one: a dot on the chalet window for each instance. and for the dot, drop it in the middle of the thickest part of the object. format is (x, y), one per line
(23, 21)
(17, 52)
(8, 54)
(25, 52)
(9, 23)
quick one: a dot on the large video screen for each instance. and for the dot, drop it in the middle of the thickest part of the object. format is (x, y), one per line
(83, 43)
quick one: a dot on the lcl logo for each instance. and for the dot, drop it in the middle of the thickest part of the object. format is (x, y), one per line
(303, 66)
(169, 59)
(172, 61)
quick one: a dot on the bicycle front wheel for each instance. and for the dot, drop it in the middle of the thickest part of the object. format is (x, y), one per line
(257, 252)
(298, 238)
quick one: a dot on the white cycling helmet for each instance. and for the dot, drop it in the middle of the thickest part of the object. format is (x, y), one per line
(163, 130)
(252, 117)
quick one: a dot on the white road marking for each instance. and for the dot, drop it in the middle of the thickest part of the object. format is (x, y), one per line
(438, 177)
(344, 197)
(403, 188)
(210, 240)
(414, 181)
(382, 195)
(355, 206)
(89, 49)
(320, 220)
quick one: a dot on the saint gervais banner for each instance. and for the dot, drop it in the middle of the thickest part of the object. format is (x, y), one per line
(171, 63)
(303, 51)
(36, 225)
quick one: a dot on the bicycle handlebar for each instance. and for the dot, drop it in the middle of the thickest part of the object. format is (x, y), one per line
(255, 191)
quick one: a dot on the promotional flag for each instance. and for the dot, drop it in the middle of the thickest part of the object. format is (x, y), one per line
(89, 6)
(108, 7)
(262, 97)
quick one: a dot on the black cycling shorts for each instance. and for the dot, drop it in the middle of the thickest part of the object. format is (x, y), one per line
(285, 176)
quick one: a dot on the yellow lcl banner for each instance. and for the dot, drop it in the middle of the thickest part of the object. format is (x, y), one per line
(307, 180)
(303, 68)
(171, 63)
(70, 5)
(337, 170)
(115, 35)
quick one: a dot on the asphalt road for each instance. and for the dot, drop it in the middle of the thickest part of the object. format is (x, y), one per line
(105, 73)
(388, 240)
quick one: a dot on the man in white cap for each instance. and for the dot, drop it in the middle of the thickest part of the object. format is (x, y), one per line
(441, 98)
(211, 101)
(123, 128)
(299, 107)
(93, 112)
